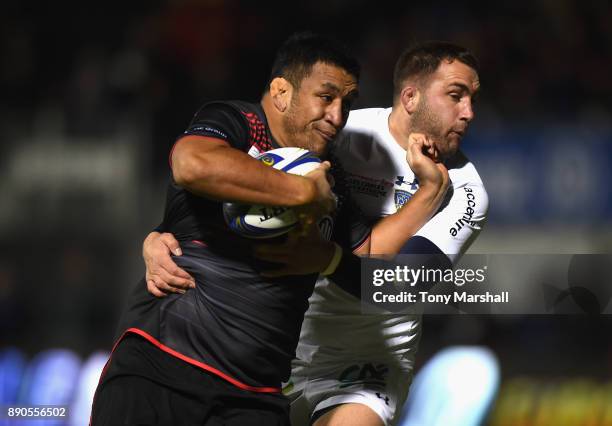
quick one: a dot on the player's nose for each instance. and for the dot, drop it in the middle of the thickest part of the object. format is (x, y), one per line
(467, 112)
(334, 114)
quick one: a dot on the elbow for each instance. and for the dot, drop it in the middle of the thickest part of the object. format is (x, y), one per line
(186, 171)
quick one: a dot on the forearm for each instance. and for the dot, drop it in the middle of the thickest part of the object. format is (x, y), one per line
(224, 173)
(392, 232)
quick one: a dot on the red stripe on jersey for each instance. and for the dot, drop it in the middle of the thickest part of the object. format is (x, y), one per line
(203, 366)
(365, 240)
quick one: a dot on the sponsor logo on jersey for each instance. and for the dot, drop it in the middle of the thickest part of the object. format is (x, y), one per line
(414, 185)
(254, 151)
(207, 129)
(367, 373)
(466, 218)
(401, 198)
(377, 188)
(383, 397)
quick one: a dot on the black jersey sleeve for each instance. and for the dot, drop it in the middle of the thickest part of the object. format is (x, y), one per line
(223, 121)
(352, 231)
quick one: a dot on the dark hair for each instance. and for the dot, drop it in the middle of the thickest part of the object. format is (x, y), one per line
(295, 58)
(423, 59)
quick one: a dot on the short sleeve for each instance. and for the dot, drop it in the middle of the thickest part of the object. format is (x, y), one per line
(459, 222)
(221, 121)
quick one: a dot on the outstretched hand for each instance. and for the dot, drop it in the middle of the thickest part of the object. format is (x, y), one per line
(162, 275)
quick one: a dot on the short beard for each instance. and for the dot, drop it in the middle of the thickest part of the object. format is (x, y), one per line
(295, 133)
(426, 122)
(289, 123)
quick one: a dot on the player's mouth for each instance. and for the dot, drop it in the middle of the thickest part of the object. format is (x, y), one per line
(458, 133)
(327, 135)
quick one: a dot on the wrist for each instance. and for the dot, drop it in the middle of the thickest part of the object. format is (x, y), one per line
(430, 188)
(153, 235)
(307, 191)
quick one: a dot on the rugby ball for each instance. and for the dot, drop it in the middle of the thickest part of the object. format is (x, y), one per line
(259, 221)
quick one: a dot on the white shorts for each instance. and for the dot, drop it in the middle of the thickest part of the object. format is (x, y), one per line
(380, 385)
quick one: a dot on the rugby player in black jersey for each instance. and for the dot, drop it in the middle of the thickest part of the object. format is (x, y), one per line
(217, 354)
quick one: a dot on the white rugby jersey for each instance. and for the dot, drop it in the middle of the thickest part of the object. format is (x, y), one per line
(380, 181)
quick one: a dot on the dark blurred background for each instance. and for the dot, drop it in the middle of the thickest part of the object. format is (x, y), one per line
(94, 94)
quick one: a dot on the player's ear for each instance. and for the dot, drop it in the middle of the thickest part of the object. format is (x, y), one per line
(409, 97)
(280, 92)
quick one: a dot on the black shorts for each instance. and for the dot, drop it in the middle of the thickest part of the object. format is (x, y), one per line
(163, 390)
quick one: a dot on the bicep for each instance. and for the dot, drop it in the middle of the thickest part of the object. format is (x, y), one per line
(191, 154)
(192, 146)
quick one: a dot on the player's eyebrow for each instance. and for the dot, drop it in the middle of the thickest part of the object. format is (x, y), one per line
(461, 86)
(330, 86)
(464, 88)
(352, 95)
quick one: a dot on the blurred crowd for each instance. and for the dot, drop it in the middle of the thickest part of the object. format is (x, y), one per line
(96, 69)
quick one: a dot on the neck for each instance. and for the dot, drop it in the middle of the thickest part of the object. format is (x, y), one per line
(274, 120)
(399, 126)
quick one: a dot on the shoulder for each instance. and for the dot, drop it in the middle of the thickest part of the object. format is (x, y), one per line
(361, 130)
(217, 112)
(463, 172)
(467, 183)
(237, 109)
(239, 123)
(363, 118)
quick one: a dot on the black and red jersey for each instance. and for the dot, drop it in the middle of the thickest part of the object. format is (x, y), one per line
(235, 324)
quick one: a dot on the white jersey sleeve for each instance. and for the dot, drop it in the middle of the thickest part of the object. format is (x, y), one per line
(458, 223)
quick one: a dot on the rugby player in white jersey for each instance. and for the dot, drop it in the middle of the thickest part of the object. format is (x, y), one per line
(355, 369)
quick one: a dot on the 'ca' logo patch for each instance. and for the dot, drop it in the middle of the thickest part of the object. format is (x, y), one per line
(401, 197)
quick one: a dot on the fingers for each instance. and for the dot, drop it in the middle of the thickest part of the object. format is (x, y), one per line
(172, 270)
(158, 288)
(171, 243)
(174, 277)
(163, 275)
(158, 261)
(157, 285)
(420, 145)
(322, 167)
(331, 180)
(415, 145)
(152, 288)
(325, 166)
